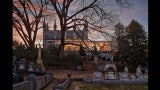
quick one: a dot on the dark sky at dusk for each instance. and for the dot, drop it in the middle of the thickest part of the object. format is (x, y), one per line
(138, 12)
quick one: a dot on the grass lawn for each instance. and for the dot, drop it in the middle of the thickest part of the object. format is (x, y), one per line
(83, 86)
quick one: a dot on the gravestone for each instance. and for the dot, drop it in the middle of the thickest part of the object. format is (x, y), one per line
(107, 66)
(40, 67)
(126, 70)
(31, 67)
(21, 66)
(139, 72)
(133, 77)
(98, 75)
(110, 75)
(69, 74)
(123, 76)
(111, 70)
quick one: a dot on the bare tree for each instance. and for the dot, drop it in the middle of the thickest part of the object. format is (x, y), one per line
(98, 14)
(27, 17)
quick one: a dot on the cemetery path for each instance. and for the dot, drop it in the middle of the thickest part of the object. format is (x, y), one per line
(61, 74)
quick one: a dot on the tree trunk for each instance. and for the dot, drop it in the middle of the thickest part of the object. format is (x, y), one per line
(31, 44)
(61, 47)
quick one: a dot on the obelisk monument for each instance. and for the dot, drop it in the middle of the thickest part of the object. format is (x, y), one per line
(39, 60)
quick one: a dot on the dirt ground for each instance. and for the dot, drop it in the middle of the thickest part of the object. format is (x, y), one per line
(61, 74)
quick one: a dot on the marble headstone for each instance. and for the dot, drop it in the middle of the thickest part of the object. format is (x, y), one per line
(31, 67)
(98, 75)
(126, 69)
(138, 71)
(110, 75)
(123, 76)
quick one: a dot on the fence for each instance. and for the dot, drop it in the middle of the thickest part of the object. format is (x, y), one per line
(26, 85)
(34, 83)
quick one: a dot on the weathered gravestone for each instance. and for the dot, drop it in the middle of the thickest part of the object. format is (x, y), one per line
(124, 75)
(31, 67)
(22, 66)
(98, 75)
(126, 70)
(139, 72)
(111, 70)
(110, 75)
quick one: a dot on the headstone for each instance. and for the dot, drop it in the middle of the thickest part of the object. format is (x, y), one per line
(98, 75)
(21, 66)
(39, 59)
(123, 76)
(31, 67)
(138, 71)
(126, 69)
(107, 66)
(110, 75)
(69, 74)
(133, 77)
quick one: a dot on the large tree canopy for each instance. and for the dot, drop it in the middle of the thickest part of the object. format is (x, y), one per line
(27, 15)
(98, 15)
(137, 38)
(132, 45)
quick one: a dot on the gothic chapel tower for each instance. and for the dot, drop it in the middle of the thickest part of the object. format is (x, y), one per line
(45, 28)
(85, 30)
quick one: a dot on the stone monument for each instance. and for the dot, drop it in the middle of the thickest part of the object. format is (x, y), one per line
(98, 75)
(126, 69)
(22, 66)
(124, 75)
(139, 72)
(39, 60)
(111, 70)
(31, 67)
